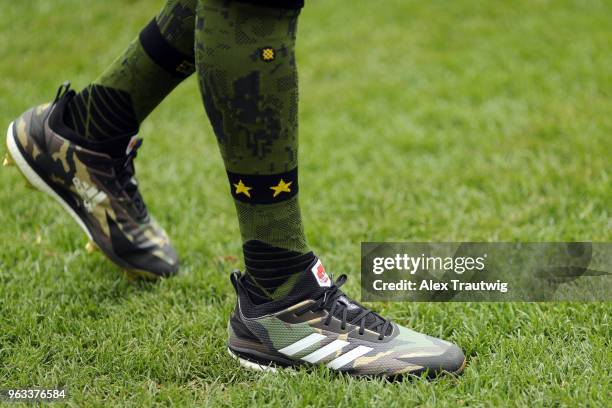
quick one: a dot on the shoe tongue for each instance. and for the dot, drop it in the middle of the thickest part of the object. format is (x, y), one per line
(116, 147)
(315, 281)
(317, 271)
(133, 145)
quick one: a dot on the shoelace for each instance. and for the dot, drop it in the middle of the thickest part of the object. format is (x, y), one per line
(125, 171)
(331, 300)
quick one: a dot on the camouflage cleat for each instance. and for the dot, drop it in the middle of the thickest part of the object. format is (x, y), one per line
(318, 324)
(95, 186)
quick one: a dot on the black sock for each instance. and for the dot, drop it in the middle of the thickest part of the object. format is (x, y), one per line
(272, 272)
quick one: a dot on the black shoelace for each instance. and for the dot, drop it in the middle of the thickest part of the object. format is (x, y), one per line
(124, 168)
(334, 301)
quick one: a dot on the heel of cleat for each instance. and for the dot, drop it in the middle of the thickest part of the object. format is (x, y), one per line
(91, 247)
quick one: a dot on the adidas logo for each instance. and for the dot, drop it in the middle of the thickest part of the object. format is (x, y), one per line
(90, 195)
(323, 352)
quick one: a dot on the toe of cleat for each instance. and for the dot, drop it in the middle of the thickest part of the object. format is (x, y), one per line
(8, 160)
(132, 275)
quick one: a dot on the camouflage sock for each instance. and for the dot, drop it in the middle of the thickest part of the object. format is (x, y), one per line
(246, 68)
(135, 83)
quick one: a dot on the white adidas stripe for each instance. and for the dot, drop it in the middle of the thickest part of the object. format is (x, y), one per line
(302, 344)
(323, 352)
(348, 357)
(91, 192)
(98, 198)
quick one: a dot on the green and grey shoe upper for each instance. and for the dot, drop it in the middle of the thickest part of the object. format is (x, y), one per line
(95, 183)
(318, 324)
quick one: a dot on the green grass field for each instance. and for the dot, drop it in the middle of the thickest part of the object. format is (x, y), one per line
(432, 121)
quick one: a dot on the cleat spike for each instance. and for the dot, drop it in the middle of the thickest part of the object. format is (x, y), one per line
(130, 276)
(91, 247)
(133, 275)
(27, 182)
(8, 160)
(29, 185)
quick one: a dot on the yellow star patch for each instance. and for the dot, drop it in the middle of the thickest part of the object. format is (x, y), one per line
(281, 187)
(241, 188)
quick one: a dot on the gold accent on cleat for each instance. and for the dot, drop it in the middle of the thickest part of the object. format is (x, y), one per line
(91, 247)
(8, 160)
(26, 182)
(28, 185)
(129, 276)
(135, 275)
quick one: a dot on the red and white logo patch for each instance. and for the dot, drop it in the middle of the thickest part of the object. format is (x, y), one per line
(133, 144)
(319, 273)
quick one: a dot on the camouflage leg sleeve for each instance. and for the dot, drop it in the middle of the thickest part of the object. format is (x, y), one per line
(247, 73)
(136, 82)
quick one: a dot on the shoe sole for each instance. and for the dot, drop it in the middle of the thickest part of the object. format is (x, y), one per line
(272, 368)
(251, 365)
(32, 177)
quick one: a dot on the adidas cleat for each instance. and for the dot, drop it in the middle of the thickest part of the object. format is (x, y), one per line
(96, 187)
(318, 324)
